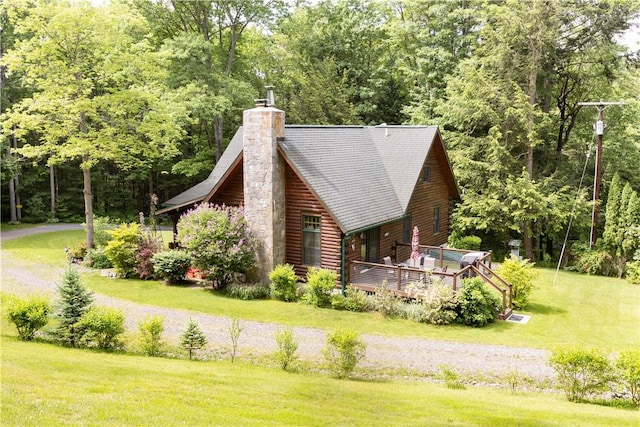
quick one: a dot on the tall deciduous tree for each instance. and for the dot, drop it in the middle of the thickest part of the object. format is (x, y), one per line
(499, 102)
(96, 96)
(204, 39)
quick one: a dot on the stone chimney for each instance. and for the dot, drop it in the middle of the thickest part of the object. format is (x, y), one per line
(264, 207)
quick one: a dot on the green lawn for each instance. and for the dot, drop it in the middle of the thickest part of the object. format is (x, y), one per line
(578, 310)
(43, 384)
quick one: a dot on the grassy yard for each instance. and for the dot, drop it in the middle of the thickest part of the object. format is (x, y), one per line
(43, 384)
(578, 310)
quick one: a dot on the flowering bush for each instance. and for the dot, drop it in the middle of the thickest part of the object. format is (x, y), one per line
(216, 238)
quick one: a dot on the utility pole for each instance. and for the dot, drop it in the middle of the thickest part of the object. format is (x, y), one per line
(597, 179)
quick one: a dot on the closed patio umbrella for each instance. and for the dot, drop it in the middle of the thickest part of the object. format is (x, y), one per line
(415, 243)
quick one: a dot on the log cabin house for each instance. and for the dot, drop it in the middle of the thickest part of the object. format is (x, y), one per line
(324, 196)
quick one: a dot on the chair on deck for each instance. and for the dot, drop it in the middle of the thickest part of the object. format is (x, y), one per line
(427, 263)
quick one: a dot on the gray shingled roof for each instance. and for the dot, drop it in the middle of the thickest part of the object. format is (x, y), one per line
(199, 191)
(363, 175)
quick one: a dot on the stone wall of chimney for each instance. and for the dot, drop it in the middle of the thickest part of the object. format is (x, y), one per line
(264, 187)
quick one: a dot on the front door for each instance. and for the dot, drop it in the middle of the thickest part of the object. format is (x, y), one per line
(370, 245)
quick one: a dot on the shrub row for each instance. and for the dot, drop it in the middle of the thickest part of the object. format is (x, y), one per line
(83, 324)
(585, 372)
(430, 302)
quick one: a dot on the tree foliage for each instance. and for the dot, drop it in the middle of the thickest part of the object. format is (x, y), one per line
(118, 91)
(97, 89)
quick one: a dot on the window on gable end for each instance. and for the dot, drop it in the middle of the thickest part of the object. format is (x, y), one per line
(426, 173)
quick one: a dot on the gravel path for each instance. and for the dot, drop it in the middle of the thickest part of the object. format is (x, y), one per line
(420, 355)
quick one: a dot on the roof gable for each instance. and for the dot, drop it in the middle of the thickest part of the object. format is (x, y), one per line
(344, 169)
(363, 175)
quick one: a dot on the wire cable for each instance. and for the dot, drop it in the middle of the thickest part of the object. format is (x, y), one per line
(573, 210)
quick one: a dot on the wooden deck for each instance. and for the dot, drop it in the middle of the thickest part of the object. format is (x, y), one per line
(370, 276)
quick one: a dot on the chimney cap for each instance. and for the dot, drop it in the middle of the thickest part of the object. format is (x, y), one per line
(271, 99)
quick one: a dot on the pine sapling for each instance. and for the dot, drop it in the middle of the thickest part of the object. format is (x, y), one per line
(193, 338)
(74, 301)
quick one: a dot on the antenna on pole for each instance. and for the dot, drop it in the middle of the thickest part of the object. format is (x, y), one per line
(601, 105)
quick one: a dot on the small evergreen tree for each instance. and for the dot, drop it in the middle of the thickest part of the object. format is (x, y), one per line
(193, 338)
(74, 301)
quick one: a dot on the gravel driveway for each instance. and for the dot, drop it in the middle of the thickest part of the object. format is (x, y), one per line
(420, 355)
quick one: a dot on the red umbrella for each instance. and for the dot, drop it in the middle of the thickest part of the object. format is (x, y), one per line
(415, 243)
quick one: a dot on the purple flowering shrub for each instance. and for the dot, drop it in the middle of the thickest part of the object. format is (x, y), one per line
(216, 238)
(144, 264)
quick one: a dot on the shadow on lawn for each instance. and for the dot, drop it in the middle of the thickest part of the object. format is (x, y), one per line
(535, 308)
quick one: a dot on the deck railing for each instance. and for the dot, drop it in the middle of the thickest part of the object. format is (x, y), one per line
(369, 276)
(402, 251)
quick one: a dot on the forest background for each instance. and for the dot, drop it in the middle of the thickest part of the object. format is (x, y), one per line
(112, 106)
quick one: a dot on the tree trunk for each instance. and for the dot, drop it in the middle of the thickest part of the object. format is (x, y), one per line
(16, 183)
(86, 191)
(52, 187)
(88, 201)
(217, 135)
(18, 202)
(12, 194)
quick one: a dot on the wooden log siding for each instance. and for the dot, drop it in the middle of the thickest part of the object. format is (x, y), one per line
(426, 197)
(231, 192)
(301, 201)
